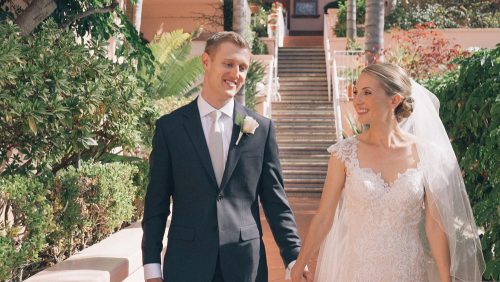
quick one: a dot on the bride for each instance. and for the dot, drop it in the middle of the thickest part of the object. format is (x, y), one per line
(394, 206)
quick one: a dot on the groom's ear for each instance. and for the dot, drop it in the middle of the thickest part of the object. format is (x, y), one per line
(205, 60)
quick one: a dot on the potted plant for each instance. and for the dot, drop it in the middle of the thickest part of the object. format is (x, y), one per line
(254, 5)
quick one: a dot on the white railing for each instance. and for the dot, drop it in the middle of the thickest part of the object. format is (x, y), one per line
(343, 69)
(276, 29)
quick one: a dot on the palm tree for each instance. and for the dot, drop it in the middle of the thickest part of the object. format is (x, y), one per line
(241, 25)
(138, 15)
(351, 19)
(374, 30)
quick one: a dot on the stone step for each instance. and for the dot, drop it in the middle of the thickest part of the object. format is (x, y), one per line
(305, 122)
(303, 112)
(302, 56)
(312, 165)
(302, 70)
(303, 79)
(313, 192)
(298, 49)
(301, 61)
(294, 64)
(304, 175)
(288, 83)
(316, 105)
(311, 63)
(312, 96)
(309, 79)
(305, 158)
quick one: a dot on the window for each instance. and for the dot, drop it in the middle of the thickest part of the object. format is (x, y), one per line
(306, 7)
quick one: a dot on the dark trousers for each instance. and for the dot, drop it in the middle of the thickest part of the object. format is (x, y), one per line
(218, 273)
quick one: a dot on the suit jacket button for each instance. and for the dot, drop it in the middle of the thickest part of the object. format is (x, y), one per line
(219, 197)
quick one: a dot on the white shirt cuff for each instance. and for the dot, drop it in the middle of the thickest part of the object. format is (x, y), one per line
(152, 270)
(288, 271)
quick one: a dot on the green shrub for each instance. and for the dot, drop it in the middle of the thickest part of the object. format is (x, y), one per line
(90, 203)
(470, 110)
(341, 25)
(141, 180)
(26, 219)
(255, 74)
(61, 101)
(444, 15)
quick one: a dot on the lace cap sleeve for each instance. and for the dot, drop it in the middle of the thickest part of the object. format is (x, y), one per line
(343, 150)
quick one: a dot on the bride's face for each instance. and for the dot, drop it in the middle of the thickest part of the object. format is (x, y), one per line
(371, 102)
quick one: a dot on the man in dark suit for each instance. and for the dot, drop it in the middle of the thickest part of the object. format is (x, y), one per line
(215, 159)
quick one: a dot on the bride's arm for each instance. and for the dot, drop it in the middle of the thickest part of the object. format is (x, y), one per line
(323, 220)
(438, 240)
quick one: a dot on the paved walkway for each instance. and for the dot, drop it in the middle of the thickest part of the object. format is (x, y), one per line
(304, 209)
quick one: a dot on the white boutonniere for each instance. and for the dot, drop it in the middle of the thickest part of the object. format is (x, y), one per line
(247, 126)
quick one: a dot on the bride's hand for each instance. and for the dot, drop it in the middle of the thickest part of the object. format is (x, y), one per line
(298, 274)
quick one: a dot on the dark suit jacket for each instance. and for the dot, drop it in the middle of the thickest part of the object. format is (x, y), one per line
(208, 221)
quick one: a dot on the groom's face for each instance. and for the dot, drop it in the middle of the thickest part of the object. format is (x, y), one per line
(225, 71)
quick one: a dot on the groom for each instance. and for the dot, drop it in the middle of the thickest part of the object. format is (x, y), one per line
(215, 159)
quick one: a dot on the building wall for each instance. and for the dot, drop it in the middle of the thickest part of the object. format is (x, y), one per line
(307, 24)
(168, 15)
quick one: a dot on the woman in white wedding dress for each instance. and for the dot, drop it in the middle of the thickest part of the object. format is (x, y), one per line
(382, 185)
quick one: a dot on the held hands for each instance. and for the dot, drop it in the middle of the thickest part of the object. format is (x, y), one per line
(154, 280)
(301, 274)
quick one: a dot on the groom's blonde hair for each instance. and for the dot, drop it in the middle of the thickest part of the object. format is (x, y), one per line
(394, 79)
(218, 38)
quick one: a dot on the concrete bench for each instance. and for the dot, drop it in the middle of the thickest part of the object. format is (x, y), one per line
(116, 258)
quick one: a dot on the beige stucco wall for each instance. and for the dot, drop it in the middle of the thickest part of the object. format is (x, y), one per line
(299, 24)
(477, 37)
(174, 14)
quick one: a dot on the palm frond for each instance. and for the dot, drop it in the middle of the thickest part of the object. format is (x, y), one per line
(175, 72)
(181, 78)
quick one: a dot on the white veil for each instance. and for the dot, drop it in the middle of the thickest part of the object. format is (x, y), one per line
(445, 189)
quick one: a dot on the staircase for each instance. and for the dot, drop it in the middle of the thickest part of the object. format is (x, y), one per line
(304, 120)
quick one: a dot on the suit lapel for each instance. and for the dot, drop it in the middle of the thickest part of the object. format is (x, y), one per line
(234, 152)
(194, 129)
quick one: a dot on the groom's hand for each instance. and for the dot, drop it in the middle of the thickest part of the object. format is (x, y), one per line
(154, 280)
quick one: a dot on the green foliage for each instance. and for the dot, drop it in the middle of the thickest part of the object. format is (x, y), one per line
(258, 47)
(341, 25)
(101, 26)
(61, 101)
(445, 14)
(26, 219)
(89, 204)
(470, 110)
(169, 104)
(255, 74)
(259, 22)
(175, 73)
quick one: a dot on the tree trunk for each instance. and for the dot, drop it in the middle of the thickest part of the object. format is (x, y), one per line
(241, 25)
(34, 14)
(351, 19)
(138, 15)
(374, 30)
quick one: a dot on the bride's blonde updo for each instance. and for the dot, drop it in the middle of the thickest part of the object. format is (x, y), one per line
(394, 79)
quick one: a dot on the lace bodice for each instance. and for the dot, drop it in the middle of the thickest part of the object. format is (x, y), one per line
(379, 222)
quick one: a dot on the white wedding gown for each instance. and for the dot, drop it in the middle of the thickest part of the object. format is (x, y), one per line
(375, 236)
